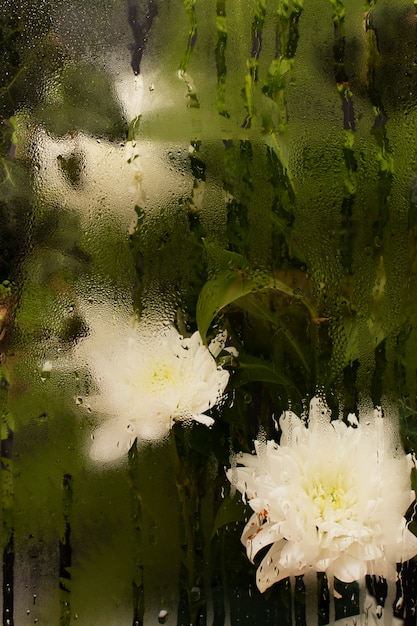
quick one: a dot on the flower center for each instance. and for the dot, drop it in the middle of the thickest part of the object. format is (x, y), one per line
(324, 498)
(332, 499)
(162, 377)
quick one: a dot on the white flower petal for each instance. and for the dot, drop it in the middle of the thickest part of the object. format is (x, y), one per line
(149, 377)
(330, 497)
(217, 344)
(348, 569)
(203, 419)
(271, 570)
(255, 536)
(112, 441)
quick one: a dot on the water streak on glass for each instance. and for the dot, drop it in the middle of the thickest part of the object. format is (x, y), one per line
(207, 225)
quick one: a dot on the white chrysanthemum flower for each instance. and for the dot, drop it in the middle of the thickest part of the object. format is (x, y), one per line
(147, 381)
(330, 498)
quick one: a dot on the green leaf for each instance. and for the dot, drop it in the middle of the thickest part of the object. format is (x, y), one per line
(252, 369)
(282, 227)
(231, 510)
(220, 259)
(256, 307)
(14, 180)
(238, 280)
(217, 293)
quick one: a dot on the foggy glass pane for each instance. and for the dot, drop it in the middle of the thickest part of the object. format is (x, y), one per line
(208, 332)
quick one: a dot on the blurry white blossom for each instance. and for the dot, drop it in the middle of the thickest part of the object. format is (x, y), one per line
(129, 91)
(147, 381)
(330, 498)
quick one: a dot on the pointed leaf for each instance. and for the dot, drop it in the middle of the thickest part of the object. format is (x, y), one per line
(229, 285)
(252, 369)
(231, 510)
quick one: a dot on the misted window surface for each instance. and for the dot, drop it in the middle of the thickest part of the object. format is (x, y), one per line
(208, 312)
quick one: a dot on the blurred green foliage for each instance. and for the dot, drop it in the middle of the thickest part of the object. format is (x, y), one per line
(302, 138)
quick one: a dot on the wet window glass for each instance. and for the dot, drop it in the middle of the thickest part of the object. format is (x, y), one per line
(208, 296)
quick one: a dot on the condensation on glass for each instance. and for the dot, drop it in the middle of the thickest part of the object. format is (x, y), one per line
(246, 169)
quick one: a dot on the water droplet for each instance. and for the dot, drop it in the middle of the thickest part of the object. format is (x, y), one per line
(399, 603)
(195, 594)
(46, 371)
(163, 616)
